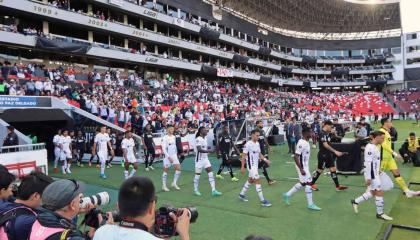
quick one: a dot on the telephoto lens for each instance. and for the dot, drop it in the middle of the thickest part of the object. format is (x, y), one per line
(192, 213)
(99, 199)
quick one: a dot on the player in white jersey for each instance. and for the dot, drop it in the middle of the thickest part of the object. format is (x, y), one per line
(129, 154)
(66, 152)
(252, 155)
(100, 147)
(372, 171)
(170, 158)
(202, 162)
(301, 156)
(57, 149)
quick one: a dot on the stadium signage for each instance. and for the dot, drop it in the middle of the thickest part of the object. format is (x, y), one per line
(150, 13)
(140, 34)
(175, 42)
(7, 101)
(43, 10)
(151, 60)
(98, 23)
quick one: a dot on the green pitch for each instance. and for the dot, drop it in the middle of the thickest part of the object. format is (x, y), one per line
(226, 217)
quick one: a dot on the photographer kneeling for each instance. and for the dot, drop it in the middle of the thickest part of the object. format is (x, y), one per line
(137, 203)
(61, 204)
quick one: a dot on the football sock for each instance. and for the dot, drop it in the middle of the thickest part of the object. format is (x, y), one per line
(379, 202)
(133, 171)
(212, 182)
(103, 167)
(230, 170)
(400, 181)
(365, 196)
(164, 177)
(259, 191)
(245, 188)
(265, 173)
(315, 177)
(220, 169)
(125, 174)
(335, 179)
(196, 181)
(308, 191)
(294, 189)
(176, 176)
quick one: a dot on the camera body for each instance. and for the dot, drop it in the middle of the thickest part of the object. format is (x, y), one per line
(165, 225)
(91, 218)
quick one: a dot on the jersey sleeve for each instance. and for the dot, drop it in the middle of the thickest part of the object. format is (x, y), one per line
(96, 138)
(199, 142)
(299, 148)
(124, 144)
(165, 145)
(369, 155)
(323, 137)
(246, 148)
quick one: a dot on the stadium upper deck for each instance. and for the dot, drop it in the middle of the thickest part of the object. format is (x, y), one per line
(150, 33)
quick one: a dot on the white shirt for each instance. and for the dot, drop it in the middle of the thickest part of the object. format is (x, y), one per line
(303, 149)
(252, 149)
(169, 146)
(372, 161)
(115, 232)
(202, 142)
(56, 140)
(66, 141)
(101, 140)
(128, 145)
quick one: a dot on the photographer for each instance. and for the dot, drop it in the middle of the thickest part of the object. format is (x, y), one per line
(61, 204)
(137, 203)
(6, 186)
(19, 215)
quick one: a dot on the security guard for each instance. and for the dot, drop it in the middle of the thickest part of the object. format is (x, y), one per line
(225, 146)
(409, 149)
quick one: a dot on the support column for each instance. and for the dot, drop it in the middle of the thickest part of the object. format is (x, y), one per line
(155, 27)
(156, 49)
(90, 36)
(125, 43)
(125, 19)
(141, 23)
(45, 27)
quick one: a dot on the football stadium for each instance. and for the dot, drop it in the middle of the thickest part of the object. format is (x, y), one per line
(209, 119)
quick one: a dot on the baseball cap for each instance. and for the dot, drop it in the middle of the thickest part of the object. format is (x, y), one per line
(60, 193)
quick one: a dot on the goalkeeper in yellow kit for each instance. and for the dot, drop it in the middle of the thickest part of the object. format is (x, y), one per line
(387, 158)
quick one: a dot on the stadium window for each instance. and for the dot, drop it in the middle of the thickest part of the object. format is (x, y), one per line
(411, 61)
(413, 49)
(411, 36)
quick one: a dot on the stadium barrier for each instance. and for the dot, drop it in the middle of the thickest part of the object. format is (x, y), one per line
(22, 159)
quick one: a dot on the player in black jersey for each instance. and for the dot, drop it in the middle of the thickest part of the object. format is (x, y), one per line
(225, 147)
(80, 147)
(149, 147)
(265, 148)
(178, 143)
(325, 156)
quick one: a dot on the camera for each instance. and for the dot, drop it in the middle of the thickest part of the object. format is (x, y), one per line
(91, 218)
(164, 224)
(99, 199)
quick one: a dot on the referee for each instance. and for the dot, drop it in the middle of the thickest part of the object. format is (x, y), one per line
(326, 158)
(265, 148)
(224, 149)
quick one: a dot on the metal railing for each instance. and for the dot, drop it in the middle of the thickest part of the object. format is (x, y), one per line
(22, 148)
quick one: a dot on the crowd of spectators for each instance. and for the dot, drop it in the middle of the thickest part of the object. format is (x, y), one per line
(218, 46)
(132, 99)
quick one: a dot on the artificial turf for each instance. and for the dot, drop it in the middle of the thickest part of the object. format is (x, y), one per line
(226, 217)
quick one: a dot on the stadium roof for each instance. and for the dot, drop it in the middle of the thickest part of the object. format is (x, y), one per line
(321, 16)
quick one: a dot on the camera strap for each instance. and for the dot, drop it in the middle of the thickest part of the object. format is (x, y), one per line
(136, 225)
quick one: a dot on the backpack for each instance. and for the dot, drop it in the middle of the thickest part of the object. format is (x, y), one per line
(8, 218)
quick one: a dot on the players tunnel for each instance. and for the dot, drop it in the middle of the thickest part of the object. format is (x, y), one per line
(42, 123)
